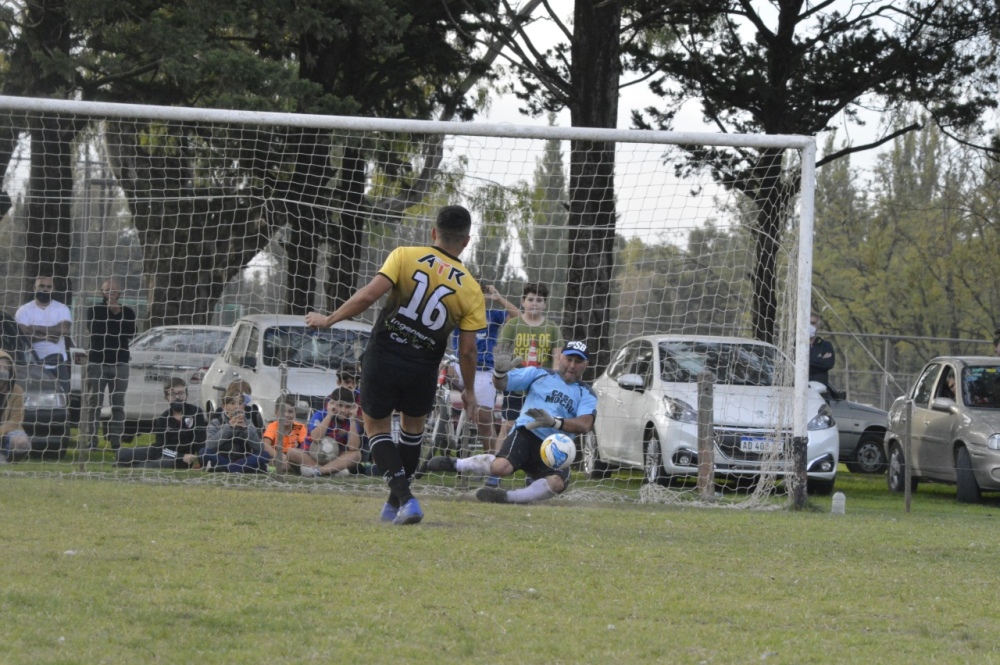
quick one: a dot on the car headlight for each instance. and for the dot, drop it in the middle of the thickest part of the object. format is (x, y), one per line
(37, 401)
(823, 419)
(993, 443)
(680, 410)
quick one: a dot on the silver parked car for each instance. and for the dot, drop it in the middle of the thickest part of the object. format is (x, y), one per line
(261, 344)
(647, 418)
(954, 428)
(162, 353)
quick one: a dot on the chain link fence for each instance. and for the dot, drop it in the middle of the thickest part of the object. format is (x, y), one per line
(876, 369)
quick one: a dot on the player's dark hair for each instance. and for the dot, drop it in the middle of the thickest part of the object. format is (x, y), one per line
(453, 224)
(537, 289)
(174, 382)
(342, 395)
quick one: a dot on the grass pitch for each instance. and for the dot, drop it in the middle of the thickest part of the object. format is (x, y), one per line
(104, 572)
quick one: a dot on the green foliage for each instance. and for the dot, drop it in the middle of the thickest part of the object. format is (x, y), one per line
(913, 252)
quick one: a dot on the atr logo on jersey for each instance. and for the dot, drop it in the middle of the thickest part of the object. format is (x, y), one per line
(439, 266)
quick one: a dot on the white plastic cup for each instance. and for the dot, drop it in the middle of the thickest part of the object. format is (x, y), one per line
(839, 504)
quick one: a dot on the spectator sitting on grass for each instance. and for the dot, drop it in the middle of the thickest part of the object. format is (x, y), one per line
(179, 431)
(14, 444)
(335, 434)
(234, 445)
(292, 434)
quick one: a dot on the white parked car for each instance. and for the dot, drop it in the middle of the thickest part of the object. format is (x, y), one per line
(165, 352)
(647, 411)
(262, 344)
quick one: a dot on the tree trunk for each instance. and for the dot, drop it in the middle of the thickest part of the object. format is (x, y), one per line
(596, 69)
(771, 198)
(307, 194)
(347, 239)
(50, 223)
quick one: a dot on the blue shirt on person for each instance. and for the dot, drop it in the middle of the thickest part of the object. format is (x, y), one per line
(486, 338)
(547, 390)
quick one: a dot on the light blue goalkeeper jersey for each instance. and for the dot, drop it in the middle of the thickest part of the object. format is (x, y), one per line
(546, 390)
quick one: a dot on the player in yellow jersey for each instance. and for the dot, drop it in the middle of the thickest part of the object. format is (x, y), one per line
(430, 294)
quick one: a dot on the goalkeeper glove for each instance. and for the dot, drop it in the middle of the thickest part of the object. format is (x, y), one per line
(503, 359)
(543, 419)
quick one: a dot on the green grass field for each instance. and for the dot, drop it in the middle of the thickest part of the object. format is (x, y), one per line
(105, 572)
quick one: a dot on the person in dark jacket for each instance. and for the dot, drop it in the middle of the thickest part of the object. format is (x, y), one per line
(180, 431)
(112, 327)
(821, 355)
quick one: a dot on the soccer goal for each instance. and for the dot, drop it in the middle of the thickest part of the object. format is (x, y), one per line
(682, 260)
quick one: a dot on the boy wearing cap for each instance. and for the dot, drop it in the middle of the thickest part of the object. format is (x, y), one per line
(555, 401)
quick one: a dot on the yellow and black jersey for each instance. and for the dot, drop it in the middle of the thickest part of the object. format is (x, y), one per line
(432, 294)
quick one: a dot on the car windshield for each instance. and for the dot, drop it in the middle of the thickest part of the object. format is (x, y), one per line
(181, 340)
(981, 386)
(733, 364)
(298, 346)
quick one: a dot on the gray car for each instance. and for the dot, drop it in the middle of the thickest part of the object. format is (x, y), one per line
(862, 434)
(954, 427)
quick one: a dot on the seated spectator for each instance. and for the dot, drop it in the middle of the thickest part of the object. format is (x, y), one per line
(14, 444)
(179, 433)
(233, 444)
(292, 434)
(335, 436)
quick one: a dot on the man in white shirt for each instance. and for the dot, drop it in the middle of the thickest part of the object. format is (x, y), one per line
(46, 322)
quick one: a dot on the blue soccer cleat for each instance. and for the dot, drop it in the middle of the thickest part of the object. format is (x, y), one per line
(389, 513)
(410, 513)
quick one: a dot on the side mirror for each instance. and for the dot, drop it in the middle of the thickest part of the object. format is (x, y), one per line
(631, 382)
(944, 404)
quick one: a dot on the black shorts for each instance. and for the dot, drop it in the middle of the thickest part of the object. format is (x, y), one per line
(523, 449)
(389, 384)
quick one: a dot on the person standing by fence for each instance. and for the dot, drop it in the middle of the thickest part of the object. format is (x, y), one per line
(112, 327)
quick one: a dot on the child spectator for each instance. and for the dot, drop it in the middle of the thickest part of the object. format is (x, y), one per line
(293, 435)
(335, 435)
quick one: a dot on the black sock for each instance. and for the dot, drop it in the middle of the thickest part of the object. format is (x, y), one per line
(409, 451)
(387, 458)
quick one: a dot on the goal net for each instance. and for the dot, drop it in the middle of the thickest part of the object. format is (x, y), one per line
(682, 261)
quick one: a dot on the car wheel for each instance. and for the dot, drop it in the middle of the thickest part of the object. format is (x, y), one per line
(968, 488)
(593, 467)
(820, 487)
(652, 456)
(869, 456)
(897, 471)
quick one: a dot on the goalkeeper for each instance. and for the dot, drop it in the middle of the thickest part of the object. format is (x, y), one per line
(555, 401)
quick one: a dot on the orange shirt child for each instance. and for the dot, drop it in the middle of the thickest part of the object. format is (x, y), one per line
(293, 439)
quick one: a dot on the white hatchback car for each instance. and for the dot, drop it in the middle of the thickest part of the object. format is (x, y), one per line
(165, 352)
(647, 411)
(261, 345)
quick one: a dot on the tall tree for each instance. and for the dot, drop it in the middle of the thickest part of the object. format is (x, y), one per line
(581, 72)
(793, 67)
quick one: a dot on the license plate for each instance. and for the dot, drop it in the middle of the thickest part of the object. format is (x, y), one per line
(156, 378)
(758, 444)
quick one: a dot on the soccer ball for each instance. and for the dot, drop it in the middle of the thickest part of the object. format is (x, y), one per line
(558, 451)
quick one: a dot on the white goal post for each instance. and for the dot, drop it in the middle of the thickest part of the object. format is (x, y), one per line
(205, 216)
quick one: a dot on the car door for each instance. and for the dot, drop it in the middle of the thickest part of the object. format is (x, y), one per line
(922, 418)
(936, 436)
(609, 404)
(640, 403)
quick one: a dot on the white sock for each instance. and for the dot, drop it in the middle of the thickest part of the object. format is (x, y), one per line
(477, 464)
(536, 491)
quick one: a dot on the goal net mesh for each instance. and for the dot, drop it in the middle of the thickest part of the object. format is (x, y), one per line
(222, 230)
